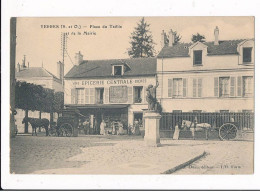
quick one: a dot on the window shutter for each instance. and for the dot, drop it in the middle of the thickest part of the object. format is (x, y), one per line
(144, 95)
(130, 95)
(232, 86)
(92, 95)
(73, 96)
(174, 87)
(239, 86)
(106, 99)
(216, 87)
(194, 87)
(170, 87)
(199, 87)
(87, 96)
(184, 93)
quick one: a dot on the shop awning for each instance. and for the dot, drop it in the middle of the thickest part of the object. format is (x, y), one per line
(98, 106)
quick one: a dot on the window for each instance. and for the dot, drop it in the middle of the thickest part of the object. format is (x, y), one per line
(247, 55)
(99, 95)
(138, 94)
(197, 87)
(197, 58)
(224, 87)
(80, 96)
(177, 87)
(118, 70)
(247, 86)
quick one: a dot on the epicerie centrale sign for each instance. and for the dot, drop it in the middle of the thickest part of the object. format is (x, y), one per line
(109, 82)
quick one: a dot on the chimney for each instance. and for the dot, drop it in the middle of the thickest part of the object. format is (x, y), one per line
(60, 70)
(163, 39)
(171, 38)
(18, 67)
(216, 33)
(24, 58)
(78, 58)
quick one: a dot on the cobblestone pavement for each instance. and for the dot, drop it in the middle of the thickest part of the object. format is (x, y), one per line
(124, 155)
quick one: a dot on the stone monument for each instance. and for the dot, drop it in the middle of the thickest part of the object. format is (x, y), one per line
(152, 118)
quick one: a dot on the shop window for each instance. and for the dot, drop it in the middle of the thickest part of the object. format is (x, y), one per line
(118, 70)
(247, 86)
(247, 55)
(99, 95)
(197, 58)
(138, 94)
(224, 87)
(80, 96)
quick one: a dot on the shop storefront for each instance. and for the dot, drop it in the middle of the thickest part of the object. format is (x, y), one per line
(110, 90)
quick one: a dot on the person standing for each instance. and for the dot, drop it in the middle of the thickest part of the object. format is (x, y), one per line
(102, 128)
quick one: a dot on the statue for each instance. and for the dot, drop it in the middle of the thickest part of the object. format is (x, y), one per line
(151, 97)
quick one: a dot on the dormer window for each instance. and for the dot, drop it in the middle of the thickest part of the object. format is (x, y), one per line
(118, 70)
(197, 58)
(247, 55)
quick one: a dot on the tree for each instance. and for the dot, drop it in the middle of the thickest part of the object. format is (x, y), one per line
(142, 44)
(198, 38)
(34, 97)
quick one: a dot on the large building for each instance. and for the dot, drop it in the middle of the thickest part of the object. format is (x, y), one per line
(215, 76)
(113, 90)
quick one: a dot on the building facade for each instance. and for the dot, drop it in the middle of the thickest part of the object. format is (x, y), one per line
(215, 76)
(110, 90)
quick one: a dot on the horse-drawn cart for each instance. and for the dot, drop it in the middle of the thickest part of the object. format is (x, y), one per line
(226, 131)
(67, 124)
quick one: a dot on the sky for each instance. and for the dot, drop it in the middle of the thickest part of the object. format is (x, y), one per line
(42, 45)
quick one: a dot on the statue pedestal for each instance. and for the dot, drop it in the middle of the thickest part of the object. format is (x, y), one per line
(152, 135)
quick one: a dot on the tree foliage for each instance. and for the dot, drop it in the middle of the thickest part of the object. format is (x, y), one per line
(34, 97)
(142, 44)
(197, 38)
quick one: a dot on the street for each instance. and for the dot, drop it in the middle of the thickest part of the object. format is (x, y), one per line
(127, 155)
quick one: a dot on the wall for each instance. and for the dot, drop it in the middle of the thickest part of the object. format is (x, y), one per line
(106, 83)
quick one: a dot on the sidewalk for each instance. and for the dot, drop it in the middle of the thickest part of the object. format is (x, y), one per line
(130, 157)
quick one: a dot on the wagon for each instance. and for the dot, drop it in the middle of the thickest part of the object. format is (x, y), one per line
(67, 124)
(226, 131)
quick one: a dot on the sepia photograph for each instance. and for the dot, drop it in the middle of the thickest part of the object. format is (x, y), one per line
(132, 95)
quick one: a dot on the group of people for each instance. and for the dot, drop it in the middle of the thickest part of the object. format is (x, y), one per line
(117, 128)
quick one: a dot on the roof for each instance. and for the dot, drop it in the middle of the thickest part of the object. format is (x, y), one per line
(226, 47)
(34, 72)
(103, 68)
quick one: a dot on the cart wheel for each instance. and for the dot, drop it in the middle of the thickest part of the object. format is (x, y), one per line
(227, 131)
(66, 129)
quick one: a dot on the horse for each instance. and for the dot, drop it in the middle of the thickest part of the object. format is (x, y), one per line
(191, 125)
(35, 122)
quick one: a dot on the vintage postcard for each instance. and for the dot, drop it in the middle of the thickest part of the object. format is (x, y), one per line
(132, 95)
